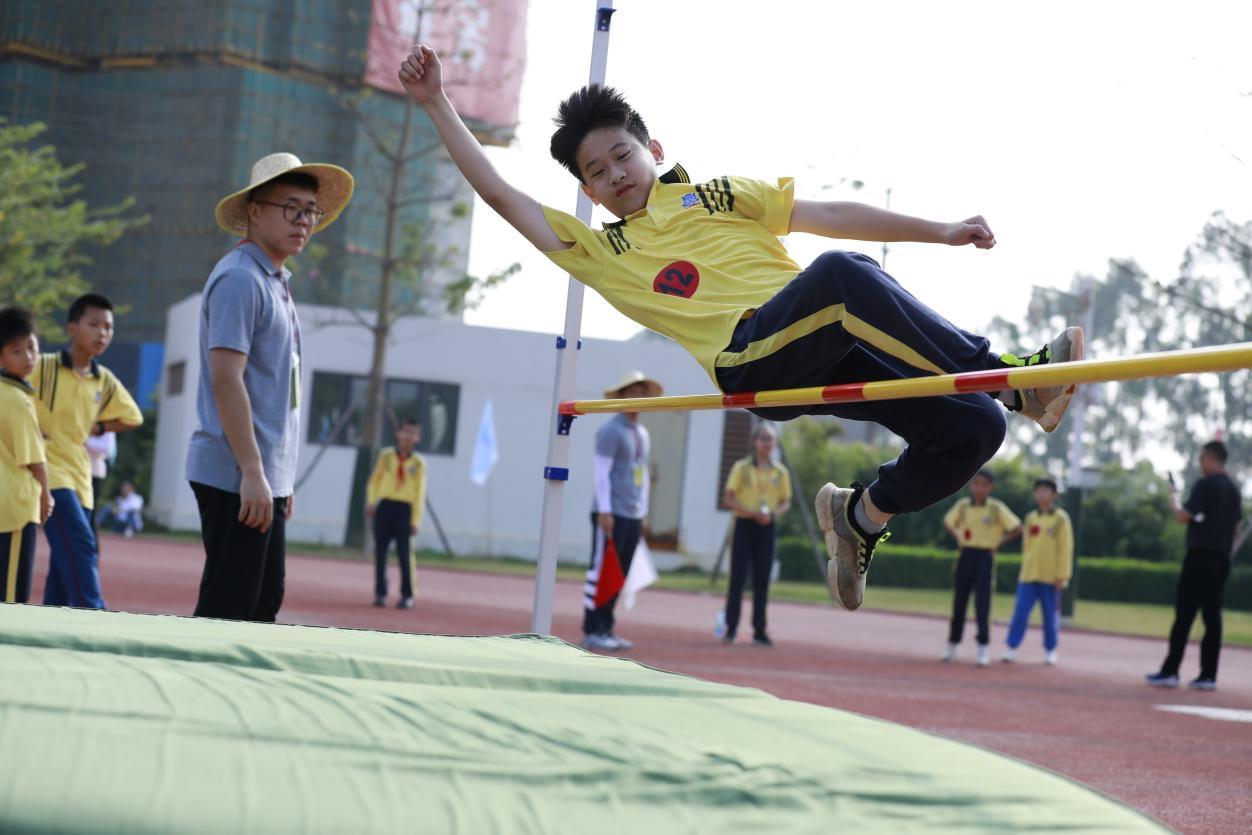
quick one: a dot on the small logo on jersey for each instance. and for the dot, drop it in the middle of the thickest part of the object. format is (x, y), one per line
(690, 199)
(680, 278)
(1034, 530)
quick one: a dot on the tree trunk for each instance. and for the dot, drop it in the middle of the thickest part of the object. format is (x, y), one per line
(375, 406)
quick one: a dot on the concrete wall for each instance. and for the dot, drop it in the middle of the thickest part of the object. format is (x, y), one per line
(515, 370)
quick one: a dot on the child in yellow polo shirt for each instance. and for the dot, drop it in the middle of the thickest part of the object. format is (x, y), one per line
(702, 264)
(758, 491)
(1047, 565)
(24, 498)
(396, 494)
(74, 397)
(980, 524)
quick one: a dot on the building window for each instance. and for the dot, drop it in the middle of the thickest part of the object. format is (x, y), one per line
(336, 411)
(175, 377)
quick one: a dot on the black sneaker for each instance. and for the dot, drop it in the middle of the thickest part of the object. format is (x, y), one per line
(380, 601)
(762, 640)
(405, 603)
(1202, 683)
(1161, 680)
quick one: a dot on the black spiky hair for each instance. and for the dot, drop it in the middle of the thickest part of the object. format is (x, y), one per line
(15, 323)
(594, 106)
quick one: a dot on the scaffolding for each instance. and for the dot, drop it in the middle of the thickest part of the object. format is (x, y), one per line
(171, 101)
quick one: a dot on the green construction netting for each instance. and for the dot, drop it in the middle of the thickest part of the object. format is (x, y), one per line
(114, 722)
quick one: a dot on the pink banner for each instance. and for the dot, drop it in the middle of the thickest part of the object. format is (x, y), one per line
(481, 43)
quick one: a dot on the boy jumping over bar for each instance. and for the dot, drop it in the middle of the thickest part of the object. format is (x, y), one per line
(702, 264)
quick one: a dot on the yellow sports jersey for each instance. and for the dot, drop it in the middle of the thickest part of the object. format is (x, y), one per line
(1047, 548)
(981, 526)
(69, 406)
(752, 485)
(21, 445)
(690, 265)
(387, 483)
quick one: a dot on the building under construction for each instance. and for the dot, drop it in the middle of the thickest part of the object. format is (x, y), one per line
(171, 101)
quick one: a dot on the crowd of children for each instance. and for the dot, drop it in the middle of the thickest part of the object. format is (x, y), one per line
(50, 404)
(981, 525)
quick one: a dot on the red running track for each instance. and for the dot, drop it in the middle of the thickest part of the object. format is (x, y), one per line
(1091, 718)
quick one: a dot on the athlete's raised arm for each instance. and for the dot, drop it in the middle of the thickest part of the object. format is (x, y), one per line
(422, 77)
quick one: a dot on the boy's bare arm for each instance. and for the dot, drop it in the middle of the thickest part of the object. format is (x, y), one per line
(859, 222)
(422, 77)
(46, 502)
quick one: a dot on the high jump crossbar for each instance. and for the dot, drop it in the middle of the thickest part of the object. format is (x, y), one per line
(1162, 364)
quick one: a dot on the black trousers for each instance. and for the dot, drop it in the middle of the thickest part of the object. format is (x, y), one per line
(973, 572)
(1200, 588)
(881, 333)
(392, 521)
(244, 569)
(598, 620)
(17, 563)
(752, 550)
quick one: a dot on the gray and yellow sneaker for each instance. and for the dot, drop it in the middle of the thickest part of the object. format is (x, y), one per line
(1047, 405)
(850, 549)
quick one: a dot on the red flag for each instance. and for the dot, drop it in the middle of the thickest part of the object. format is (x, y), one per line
(611, 576)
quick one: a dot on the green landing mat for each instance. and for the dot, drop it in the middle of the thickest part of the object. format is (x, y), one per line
(112, 722)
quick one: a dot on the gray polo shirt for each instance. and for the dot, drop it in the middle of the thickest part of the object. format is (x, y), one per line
(625, 442)
(247, 307)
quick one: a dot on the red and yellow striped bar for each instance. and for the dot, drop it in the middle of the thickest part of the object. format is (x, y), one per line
(1164, 364)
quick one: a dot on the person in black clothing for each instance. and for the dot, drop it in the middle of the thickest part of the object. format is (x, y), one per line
(1212, 514)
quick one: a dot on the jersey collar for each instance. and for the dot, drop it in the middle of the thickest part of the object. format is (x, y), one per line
(5, 377)
(68, 362)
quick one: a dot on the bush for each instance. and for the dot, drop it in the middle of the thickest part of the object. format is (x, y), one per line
(1100, 578)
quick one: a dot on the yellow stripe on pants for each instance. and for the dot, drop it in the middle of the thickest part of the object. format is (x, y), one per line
(15, 557)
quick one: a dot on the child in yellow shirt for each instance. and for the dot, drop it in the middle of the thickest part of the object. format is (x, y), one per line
(1047, 565)
(397, 491)
(25, 502)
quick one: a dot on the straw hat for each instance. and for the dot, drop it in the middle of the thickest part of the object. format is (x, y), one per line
(333, 192)
(632, 377)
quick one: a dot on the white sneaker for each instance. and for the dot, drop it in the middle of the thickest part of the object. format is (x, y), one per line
(1047, 405)
(1050, 658)
(596, 641)
(949, 654)
(1010, 655)
(850, 550)
(618, 644)
(984, 656)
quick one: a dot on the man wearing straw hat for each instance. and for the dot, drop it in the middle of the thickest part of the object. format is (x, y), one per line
(621, 503)
(242, 458)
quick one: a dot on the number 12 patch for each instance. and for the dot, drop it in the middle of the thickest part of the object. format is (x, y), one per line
(680, 278)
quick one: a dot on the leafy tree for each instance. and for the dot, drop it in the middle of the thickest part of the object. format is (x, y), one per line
(1208, 303)
(45, 228)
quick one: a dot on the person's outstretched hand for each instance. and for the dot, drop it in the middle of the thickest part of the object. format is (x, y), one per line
(972, 230)
(422, 74)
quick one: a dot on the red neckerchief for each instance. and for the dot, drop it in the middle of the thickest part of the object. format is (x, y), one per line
(400, 459)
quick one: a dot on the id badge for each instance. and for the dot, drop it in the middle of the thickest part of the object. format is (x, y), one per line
(295, 380)
(639, 475)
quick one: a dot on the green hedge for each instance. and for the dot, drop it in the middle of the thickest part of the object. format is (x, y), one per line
(1100, 578)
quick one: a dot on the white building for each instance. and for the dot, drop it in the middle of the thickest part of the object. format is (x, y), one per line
(444, 371)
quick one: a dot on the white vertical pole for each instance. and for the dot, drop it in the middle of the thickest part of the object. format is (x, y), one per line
(557, 470)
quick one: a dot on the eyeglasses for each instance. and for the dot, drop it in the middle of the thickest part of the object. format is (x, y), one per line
(294, 214)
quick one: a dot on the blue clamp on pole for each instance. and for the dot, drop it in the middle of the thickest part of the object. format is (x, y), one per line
(556, 473)
(561, 343)
(563, 423)
(604, 16)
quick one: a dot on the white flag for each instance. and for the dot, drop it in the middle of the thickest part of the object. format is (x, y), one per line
(641, 575)
(485, 452)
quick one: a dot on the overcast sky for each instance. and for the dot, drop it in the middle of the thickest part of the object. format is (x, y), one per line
(1081, 131)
